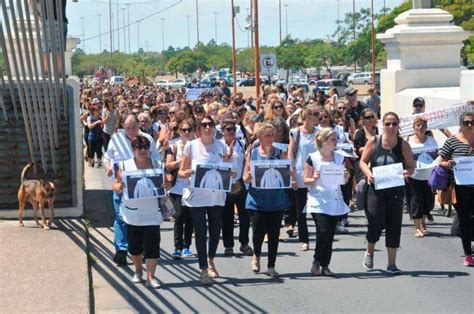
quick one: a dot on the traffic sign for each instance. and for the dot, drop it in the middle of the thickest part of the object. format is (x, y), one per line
(268, 64)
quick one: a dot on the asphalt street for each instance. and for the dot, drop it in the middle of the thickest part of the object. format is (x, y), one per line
(433, 280)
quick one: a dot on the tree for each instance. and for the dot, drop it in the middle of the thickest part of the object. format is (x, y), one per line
(291, 55)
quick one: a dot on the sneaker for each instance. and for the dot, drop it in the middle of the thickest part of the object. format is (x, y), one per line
(368, 261)
(271, 272)
(393, 270)
(468, 261)
(304, 247)
(246, 249)
(229, 252)
(186, 253)
(120, 258)
(177, 254)
(340, 229)
(153, 284)
(137, 278)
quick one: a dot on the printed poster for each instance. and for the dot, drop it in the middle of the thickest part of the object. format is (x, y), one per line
(271, 174)
(211, 176)
(143, 184)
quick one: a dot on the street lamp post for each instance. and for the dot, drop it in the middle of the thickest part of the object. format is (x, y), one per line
(372, 40)
(138, 34)
(234, 78)
(83, 35)
(111, 27)
(197, 21)
(338, 20)
(100, 34)
(215, 26)
(354, 28)
(189, 38)
(286, 18)
(118, 27)
(279, 17)
(249, 30)
(124, 33)
(128, 27)
(257, 50)
(163, 33)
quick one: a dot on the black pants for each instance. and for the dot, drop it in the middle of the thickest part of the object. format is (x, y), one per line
(385, 211)
(106, 138)
(290, 213)
(183, 224)
(325, 229)
(422, 198)
(465, 210)
(228, 220)
(269, 223)
(298, 199)
(214, 215)
(95, 147)
(144, 238)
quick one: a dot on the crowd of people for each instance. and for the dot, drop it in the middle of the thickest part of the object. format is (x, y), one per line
(129, 128)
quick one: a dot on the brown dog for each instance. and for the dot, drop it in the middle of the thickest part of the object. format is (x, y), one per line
(37, 192)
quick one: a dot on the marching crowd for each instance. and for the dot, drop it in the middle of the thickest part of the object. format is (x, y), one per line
(131, 128)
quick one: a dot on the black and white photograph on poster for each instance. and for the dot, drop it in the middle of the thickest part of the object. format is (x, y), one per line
(270, 174)
(212, 176)
(425, 157)
(346, 150)
(142, 184)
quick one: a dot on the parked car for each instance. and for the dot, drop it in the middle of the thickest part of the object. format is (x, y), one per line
(177, 83)
(161, 83)
(360, 78)
(326, 85)
(246, 81)
(116, 80)
(343, 76)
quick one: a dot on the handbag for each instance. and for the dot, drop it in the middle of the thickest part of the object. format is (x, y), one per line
(438, 179)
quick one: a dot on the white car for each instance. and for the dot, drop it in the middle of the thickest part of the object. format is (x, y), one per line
(326, 85)
(360, 78)
(177, 83)
(161, 83)
(116, 80)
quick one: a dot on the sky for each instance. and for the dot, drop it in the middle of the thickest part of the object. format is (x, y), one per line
(306, 19)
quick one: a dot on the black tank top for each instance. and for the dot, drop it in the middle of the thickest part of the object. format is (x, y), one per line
(382, 157)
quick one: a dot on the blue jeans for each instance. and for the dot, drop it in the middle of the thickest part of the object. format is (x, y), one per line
(120, 228)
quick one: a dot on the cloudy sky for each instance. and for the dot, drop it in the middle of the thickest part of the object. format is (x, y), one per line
(306, 19)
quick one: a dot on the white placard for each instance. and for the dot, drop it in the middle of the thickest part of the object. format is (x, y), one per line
(271, 174)
(281, 146)
(143, 184)
(464, 170)
(194, 93)
(331, 175)
(211, 176)
(346, 150)
(388, 176)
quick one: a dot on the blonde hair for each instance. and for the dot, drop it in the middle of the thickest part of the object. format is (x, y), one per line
(420, 119)
(307, 109)
(263, 127)
(269, 109)
(323, 135)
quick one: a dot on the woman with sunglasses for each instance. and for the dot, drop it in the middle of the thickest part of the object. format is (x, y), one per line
(385, 206)
(205, 203)
(349, 126)
(160, 114)
(462, 145)
(266, 206)
(274, 109)
(425, 152)
(238, 193)
(325, 201)
(301, 145)
(142, 216)
(183, 228)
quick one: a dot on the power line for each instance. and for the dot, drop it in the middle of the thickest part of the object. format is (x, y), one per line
(137, 21)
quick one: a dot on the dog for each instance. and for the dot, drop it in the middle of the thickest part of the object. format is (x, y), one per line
(37, 193)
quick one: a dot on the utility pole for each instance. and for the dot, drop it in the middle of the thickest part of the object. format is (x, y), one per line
(163, 33)
(215, 26)
(251, 19)
(279, 17)
(118, 26)
(189, 39)
(354, 28)
(83, 35)
(128, 27)
(100, 35)
(124, 33)
(338, 21)
(138, 34)
(286, 18)
(111, 27)
(197, 21)
(372, 40)
(257, 50)
(234, 78)
(249, 31)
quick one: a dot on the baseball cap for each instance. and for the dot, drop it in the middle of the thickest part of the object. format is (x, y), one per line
(350, 91)
(96, 101)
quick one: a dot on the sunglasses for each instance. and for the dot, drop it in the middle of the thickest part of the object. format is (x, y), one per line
(198, 111)
(187, 130)
(314, 114)
(207, 124)
(323, 118)
(369, 117)
(231, 129)
(142, 147)
(388, 124)
(277, 107)
(468, 123)
(172, 113)
(341, 108)
(142, 121)
(418, 105)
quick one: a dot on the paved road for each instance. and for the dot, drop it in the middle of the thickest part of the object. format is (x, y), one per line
(434, 279)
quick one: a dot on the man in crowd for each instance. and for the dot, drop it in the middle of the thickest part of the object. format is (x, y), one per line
(355, 107)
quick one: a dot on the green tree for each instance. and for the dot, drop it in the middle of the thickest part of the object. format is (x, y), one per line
(290, 54)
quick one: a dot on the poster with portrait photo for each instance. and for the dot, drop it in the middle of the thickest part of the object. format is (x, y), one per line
(425, 157)
(270, 174)
(143, 184)
(346, 150)
(211, 176)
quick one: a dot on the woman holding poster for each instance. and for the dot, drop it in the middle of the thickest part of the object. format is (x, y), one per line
(205, 204)
(458, 147)
(142, 215)
(425, 152)
(265, 206)
(324, 173)
(386, 190)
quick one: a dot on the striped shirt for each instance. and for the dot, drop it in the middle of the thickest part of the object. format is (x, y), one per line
(452, 148)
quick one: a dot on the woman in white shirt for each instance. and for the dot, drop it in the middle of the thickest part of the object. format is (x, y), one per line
(325, 200)
(425, 153)
(205, 203)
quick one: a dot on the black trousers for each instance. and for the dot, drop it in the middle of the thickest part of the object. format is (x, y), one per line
(183, 224)
(214, 216)
(422, 198)
(144, 238)
(228, 220)
(325, 230)
(266, 222)
(298, 199)
(465, 210)
(95, 147)
(106, 137)
(385, 211)
(290, 213)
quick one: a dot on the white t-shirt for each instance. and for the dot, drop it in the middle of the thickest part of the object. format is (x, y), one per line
(305, 146)
(208, 153)
(237, 159)
(181, 182)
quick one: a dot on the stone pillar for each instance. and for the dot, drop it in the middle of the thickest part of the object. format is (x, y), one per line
(423, 51)
(71, 43)
(421, 4)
